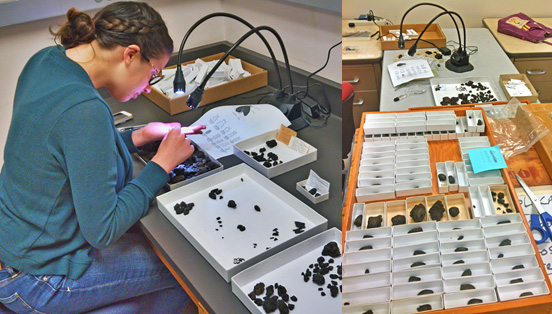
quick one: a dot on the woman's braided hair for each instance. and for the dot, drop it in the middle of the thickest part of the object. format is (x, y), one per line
(119, 23)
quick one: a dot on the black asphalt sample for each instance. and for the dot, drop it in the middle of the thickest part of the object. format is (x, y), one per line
(398, 220)
(475, 301)
(460, 237)
(466, 286)
(461, 249)
(442, 177)
(368, 312)
(259, 288)
(526, 294)
(419, 252)
(500, 255)
(503, 222)
(518, 280)
(413, 279)
(375, 221)
(451, 180)
(518, 267)
(505, 242)
(418, 213)
(436, 211)
(426, 291)
(425, 307)
(416, 264)
(241, 228)
(454, 211)
(460, 261)
(358, 221)
(257, 208)
(331, 249)
(271, 143)
(466, 273)
(367, 236)
(232, 204)
(366, 247)
(417, 229)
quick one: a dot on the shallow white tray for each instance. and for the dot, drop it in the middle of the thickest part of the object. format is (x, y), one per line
(291, 158)
(279, 209)
(285, 268)
(452, 82)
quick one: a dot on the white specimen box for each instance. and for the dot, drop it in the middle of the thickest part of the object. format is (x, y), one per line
(393, 136)
(402, 136)
(416, 262)
(441, 124)
(484, 180)
(482, 201)
(376, 308)
(502, 188)
(470, 257)
(527, 275)
(369, 182)
(462, 176)
(368, 281)
(410, 115)
(404, 229)
(369, 121)
(409, 251)
(378, 161)
(475, 139)
(389, 149)
(512, 250)
(394, 208)
(411, 141)
(412, 157)
(413, 187)
(413, 177)
(369, 154)
(413, 170)
(291, 158)
(467, 146)
(411, 202)
(440, 113)
(389, 168)
(385, 137)
(410, 126)
(358, 209)
(424, 274)
(499, 230)
(515, 239)
(512, 292)
(479, 121)
(369, 296)
(378, 144)
(453, 183)
(375, 193)
(472, 120)
(412, 145)
(406, 152)
(409, 164)
(500, 220)
(460, 235)
(461, 299)
(476, 269)
(502, 265)
(382, 232)
(300, 186)
(471, 245)
(432, 200)
(479, 282)
(458, 224)
(415, 238)
(458, 201)
(367, 256)
(442, 171)
(369, 138)
(436, 136)
(359, 269)
(411, 135)
(452, 135)
(375, 243)
(364, 174)
(420, 134)
(412, 289)
(412, 305)
(459, 129)
(443, 135)
(379, 127)
(374, 210)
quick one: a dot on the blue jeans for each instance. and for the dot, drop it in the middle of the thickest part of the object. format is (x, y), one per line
(126, 277)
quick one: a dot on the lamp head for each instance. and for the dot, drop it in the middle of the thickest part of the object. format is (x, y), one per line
(195, 98)
(412, 49)
(179, 84)
(401, 40)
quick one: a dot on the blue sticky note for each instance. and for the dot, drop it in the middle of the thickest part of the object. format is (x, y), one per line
(488, 158)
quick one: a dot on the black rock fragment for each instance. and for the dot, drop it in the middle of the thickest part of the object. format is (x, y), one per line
(270, 304)
(259, 288)
(503, 222)
(505, 242)
(518, 280)
(417, 229)
(460, 237)
(232, 204)
(460, 261)
(451, 180)
(318, 279)
(271, 143)
(466, 286)
(368, 312)
(367, 236)
(241, 228)
(413, 279)
(358, 221)
(526, 294)
(416, 264)
(466, 273)
(419, 252)
(425, 307)
(500, 255)
(518, 267)
(461, 249)
(475, 301)
(418, 213)
(257, 208)
(366, 247)
(398, 220)
(436, 211)
(442, 177)
(425, 291)
(331, 249)
(375, 221)
(367, 271)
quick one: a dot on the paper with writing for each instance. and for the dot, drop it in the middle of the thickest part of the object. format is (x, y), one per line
(285, 134)
(299, 145)
(488, 158)
(315, 181)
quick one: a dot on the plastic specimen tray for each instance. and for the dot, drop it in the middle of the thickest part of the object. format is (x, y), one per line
(285, 268)
(449, 87)
(211, 226)
(291, 158)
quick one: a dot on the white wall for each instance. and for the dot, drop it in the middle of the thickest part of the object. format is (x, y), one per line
(306, 32)
(472, 11)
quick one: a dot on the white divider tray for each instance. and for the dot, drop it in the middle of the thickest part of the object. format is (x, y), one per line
(291, 158)
(285, 268)
(212, 227)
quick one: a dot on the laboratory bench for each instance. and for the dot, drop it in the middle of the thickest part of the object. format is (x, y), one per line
(210, 291)
(532, 59)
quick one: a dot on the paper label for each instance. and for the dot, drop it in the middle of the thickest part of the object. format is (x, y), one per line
(285, 134)
(299, 145)
(488, 158)
(314, 181)
(408, 70)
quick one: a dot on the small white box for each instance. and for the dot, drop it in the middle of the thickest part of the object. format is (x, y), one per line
(405, 229)
(478, 282)
(363, 282)
(414, 289)
(502, 265)
(417, 304)
(512, 251)
(463, 258)
(381, 232)
(456, 271)
(512, 292)
(358, 269)
(425, 274)
(463, 246)
(416, 262)
(461, 299)
(460, 235)
(351, 300)
(510, 239)
(526, 275)
(365, 244)
(500, 220)
(375, 193)
(443, 182)
(291, 158)
(414, 238)
(313, 198)
(367, 256)
(415, 250)
(458, 224)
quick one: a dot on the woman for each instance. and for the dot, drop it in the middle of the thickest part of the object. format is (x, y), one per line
(67, 197)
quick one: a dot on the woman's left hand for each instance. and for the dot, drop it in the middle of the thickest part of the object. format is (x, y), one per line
(153, 131)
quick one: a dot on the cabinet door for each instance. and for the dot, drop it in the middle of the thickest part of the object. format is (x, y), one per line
(364, 101)
(544, 89)
(362, 77)
(536, 69)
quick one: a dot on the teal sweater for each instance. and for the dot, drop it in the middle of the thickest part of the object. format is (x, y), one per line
(66, 185)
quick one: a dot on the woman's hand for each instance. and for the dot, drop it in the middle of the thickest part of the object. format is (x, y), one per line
(153, 131)
(173, 150)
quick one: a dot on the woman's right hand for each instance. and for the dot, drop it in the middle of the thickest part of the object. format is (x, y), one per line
(173, 150)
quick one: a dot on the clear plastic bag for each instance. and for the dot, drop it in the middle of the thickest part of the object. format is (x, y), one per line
(515, 129)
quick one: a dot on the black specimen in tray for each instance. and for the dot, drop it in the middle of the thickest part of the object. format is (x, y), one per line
(418, 213)
(475, 301)
(425, 307)
(358, 221)
(398, 220)
(454, 211)
(415, 230)
(272, 302)
(197, 164)
(375, 221)
(324, 267)
(466, 272)
(436, 211)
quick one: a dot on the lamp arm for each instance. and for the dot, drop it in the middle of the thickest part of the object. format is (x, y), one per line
(238, 42)
(203, 19)
(438, 6)
(436, 17)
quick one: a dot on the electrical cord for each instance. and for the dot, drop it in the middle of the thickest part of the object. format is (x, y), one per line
(469, 49)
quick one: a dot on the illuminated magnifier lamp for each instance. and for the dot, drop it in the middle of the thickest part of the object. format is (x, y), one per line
(179, 83)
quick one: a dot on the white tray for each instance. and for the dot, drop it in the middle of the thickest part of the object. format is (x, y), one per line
(452, 82)
(291, 158)
(279, 209)
(285, 268)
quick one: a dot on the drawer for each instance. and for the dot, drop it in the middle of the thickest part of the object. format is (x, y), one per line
(536, 69)
(544, 89)
(364, 101)
(362, 77)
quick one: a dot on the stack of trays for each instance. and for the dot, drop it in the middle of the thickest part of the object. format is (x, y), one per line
(393, 168)
(432, 125)
(439, 265)
(490, 200)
